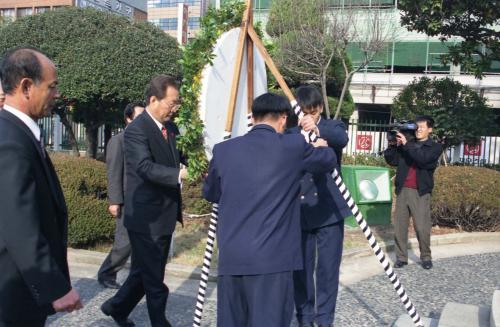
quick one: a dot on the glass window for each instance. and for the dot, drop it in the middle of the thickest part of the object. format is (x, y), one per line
(194, 23)
(172, 3)
(40, 10)
(8, 13)
(24, 12)
(165, 24)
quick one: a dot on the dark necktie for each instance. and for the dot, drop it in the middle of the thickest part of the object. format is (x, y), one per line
(42, 146)
(164, 133)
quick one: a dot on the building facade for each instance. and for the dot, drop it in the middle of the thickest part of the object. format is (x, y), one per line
(12, 9)
(166, 15)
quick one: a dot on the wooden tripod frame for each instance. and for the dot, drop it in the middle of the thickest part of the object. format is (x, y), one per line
(248, 37)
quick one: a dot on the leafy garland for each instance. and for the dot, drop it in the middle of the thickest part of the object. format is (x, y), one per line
(196, 55)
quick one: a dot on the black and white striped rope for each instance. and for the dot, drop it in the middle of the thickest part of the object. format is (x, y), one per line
(382, 258)
(209, 250)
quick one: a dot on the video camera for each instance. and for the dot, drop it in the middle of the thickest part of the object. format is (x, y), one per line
(405, 127)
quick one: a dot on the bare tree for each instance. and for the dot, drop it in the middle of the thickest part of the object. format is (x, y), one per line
(310, 33)
(370, 30)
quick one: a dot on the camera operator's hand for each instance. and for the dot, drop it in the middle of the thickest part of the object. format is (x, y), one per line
(401, 138)
(307, 123)
(183, 174)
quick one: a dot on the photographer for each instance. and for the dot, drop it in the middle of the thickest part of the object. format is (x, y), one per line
(416, 162)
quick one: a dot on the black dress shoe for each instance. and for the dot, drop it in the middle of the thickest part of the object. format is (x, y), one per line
(427, 264)
(400, 264)
(109, 283)
(120, 321)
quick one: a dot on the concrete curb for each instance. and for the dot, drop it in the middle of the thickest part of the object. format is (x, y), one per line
(189, 272)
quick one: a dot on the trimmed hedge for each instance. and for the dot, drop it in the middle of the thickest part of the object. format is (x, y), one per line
(467, 198)
(84, 185)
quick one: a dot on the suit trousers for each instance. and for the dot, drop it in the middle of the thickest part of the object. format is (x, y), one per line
(255, 300)
(119, 254)
(410, 203)
(322, 250)
(149, 257)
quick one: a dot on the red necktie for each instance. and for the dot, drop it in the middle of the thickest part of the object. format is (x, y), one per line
(164, 133)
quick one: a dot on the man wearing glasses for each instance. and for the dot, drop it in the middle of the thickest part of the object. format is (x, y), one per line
(152, 203)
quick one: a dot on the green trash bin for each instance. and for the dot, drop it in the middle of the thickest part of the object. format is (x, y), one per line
(370, 188)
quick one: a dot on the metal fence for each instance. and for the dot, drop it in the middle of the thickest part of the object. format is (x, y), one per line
(367, 137)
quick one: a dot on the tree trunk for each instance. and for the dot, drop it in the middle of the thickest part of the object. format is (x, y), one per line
(91, 140)
(325, 96)
(107, 136)
(347, 82)
(75, 151)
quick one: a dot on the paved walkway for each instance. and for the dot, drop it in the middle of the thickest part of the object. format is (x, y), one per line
(466, 273)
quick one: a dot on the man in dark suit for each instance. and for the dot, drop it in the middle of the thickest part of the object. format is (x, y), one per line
(323, 210)
(34, 278)
(152, 203)
(255, 180)
(115, 166)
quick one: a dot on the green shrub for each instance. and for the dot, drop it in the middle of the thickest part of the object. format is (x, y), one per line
(84, 185)
(367, 160)
(467, 198)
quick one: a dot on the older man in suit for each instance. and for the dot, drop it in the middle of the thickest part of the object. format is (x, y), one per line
(255, 180)
(34, 278)
(323, 210)
(115, 166)
(152, 203)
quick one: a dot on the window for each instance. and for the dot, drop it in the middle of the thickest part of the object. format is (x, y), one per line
(8, 14)
(40, 10)
(165, 24)
(21, 12)
(172, 3)
(194, 23)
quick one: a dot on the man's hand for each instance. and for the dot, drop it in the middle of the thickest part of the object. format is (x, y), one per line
(320, 143)
(114, 210)
(401, 138)
(307, 123)
(68, 303)
(183, 174)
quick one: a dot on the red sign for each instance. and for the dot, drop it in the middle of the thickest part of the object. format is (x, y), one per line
(472, 149)
(364, 142)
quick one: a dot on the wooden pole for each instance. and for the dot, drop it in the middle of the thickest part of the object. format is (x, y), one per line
(237, 67)
(250, 68)
(269, 62)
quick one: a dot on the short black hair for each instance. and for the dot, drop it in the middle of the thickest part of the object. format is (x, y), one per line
(309, 97)
(128, 112)
(19, 63)
(158, 86)
(428, 119)
(270, 104)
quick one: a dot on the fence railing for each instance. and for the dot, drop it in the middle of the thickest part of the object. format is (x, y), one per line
(366, 137)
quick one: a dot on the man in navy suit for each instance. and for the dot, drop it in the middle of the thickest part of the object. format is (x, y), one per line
(255, 180)
(323, 210)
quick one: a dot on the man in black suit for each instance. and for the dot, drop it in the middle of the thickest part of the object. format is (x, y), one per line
(34, 278)
(115, 164)
(152, 203)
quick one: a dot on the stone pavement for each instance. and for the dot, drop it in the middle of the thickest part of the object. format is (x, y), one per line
(467, 272)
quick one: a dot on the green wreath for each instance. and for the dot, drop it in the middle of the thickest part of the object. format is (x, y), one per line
(196, 54)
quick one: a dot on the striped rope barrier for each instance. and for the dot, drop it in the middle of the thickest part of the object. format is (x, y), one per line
(379, 253)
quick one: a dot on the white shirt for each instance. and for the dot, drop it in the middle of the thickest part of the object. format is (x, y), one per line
(160, 125)
(27, 120)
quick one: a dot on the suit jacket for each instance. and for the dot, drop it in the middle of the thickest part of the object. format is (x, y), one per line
(255, 180)
(321, 201)
(115, 168)
(152, 195)
(33, 226)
